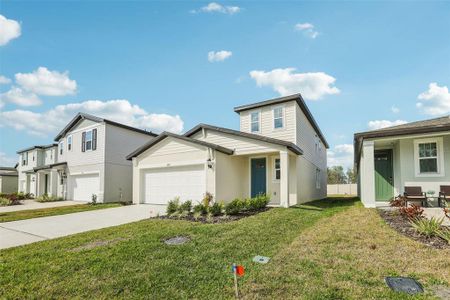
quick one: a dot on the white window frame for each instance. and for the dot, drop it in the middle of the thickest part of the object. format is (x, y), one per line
(25, 159)
(86, 140)
(440, 157)
(61, 148)
(318, 181)
(283, 117)
(274, 172)
(259, 121)
(69, 138)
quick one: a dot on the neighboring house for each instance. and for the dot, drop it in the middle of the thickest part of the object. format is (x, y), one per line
(8, 180)
(30, 160)
(413, 154)
(88, 159)
(279, 151)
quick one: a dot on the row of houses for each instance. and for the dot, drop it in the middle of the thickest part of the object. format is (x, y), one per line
(279, 150)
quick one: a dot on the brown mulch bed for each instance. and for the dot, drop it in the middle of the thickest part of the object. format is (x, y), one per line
(402, 225)
(215, 220)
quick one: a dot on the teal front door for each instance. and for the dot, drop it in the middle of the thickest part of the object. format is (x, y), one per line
(384, 189)
(258, 176)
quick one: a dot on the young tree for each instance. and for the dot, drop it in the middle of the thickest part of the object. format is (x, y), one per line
(351, 175)
(336, 175)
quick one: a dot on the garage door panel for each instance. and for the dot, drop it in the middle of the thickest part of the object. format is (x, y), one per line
(163, 184)
(81, 187)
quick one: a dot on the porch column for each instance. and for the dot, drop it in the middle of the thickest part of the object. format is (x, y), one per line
(137, 197)
(284, 179)
(367, 176)
(37, 182)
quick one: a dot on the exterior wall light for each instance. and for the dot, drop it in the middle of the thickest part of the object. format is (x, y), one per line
(210, 163)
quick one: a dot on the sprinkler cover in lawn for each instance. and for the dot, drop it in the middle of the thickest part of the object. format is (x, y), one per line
(177, 240)
(404, 284)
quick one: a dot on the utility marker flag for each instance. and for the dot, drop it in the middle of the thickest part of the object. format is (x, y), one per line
(239, 270)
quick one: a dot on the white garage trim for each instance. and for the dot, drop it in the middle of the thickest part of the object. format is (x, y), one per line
(160, 185)
(174, 164)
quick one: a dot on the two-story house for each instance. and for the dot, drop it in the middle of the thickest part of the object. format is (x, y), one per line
(278, 151)
(32, 159)
(89, 158)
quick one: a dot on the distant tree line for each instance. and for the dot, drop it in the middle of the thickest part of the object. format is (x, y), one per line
(336, 175)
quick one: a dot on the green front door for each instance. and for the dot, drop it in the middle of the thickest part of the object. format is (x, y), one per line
(384, 189)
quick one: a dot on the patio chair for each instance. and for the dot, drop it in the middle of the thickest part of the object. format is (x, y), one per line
(443, 194)
(413, 194)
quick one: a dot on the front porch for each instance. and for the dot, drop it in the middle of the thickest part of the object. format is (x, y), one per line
(388, 165)
(51, 180)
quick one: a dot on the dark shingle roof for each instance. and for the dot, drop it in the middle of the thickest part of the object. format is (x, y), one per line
(164, 135)
(301, 103)
(81, 116)
(37, 147)
(291, 146)
(425, 126)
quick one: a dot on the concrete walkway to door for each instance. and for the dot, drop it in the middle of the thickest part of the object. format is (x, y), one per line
(39, 229)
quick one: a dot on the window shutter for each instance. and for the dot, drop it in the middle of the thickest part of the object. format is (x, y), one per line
(94, 139)
(83, 142)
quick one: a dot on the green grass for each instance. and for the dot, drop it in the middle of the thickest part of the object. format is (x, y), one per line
(51, 211)
(311, 247)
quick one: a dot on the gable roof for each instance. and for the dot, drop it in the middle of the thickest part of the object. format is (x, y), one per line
(37, 147)
(291, 146)
(425, 126)
(80, 116)
(165, 134)
(300, 102)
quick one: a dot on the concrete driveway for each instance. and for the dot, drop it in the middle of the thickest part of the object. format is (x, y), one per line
(31, 204)
(34, 230)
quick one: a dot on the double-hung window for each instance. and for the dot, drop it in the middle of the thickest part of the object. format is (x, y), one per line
(61, 148)
(429, 157)
(89, 140)
(278, 119)
(254, 121)
(69, 143)
(276, 169)
(318, 179)
(24, 158)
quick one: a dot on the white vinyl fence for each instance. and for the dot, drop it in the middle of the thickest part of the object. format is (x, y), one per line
(342, 189)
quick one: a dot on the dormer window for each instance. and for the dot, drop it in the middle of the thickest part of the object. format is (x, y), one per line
(254, 121)
(278, 118)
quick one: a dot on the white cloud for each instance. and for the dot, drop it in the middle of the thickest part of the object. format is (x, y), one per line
(219, 55)
(395, 109)
(52, 121)
(20, 97)
(307, 29)
(435, 101)
(4, 80)
(341, 155)
(214, 7)
(312, 86)
(7, 161)
(9, 30)
(48, 83)
(378, 124)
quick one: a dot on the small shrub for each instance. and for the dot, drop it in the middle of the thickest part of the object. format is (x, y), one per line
(445, 235)
(5, 201)
(216, 209)
(427, 227)
(234, 207)
(173, 206)
(398, 201)
(185, 207)
(200, 208)
(209, 218)
(94, 199)
(207, 199)
(196, 215)
(184, 214)
(46, 198)
(412, 212)
(257, 203)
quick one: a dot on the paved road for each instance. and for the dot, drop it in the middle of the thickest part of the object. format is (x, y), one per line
(34, 230)
(31, 204)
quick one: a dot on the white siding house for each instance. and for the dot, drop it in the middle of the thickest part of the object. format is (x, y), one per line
(89, 158)
(415, 154)
(279, 151)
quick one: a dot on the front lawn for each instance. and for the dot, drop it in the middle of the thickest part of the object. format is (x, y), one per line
(51, 211)
(316, 250)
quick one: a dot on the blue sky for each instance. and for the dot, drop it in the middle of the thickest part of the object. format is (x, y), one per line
(359, 65)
